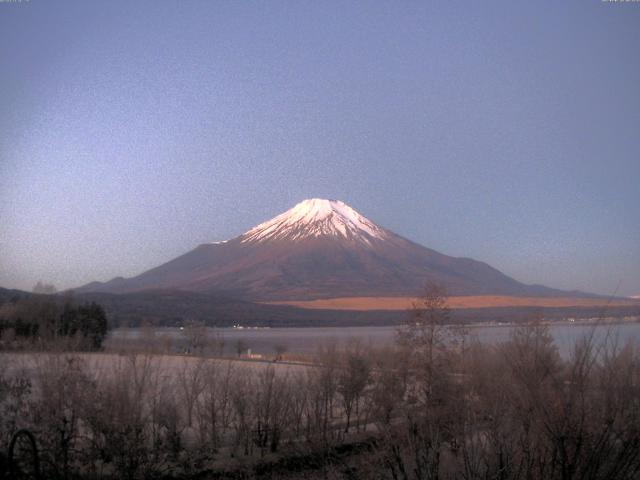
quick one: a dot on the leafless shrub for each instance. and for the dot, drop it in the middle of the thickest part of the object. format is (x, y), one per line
(241, 347)
(214, 408)
(241, 392)
(353, 379)
(322, 385)
(56, 411)
(196, 337)
(120, 414)
(271, 408)
(190, 380)
(15, 391)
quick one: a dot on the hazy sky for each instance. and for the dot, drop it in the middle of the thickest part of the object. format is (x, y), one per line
(509, 132)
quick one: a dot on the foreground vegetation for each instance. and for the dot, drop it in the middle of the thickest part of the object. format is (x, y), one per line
(432, 406)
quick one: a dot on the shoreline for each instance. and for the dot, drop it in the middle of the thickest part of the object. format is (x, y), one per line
(493, 324)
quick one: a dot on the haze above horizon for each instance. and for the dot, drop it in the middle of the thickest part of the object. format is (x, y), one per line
(503, 132)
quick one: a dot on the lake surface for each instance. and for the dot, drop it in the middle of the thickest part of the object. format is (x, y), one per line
(307, 340)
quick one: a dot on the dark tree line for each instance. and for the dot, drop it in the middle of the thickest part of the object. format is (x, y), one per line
(45, 320)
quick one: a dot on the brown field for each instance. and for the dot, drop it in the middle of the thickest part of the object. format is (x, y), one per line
(479, 301)
(172, 366)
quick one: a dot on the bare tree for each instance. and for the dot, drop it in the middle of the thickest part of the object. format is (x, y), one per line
(16, 387)
(271, 408)
(426, 337)
(299, 401)
(191, 384)
(241, 347)
(214, 408)
(61, 382)
(280, 350)
(241, 392)
(218, 343)
(44, 288)
(196, 337)
(353, 379)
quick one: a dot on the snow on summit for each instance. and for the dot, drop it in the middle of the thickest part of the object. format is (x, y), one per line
(314, 218)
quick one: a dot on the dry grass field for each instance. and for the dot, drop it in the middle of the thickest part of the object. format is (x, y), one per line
(108, 363)
(473, 301)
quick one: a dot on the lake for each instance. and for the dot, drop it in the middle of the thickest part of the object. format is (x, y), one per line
(307, 340)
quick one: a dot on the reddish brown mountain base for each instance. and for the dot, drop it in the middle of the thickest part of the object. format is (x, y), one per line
(470, 301)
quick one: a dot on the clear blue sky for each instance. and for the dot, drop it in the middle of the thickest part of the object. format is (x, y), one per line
(509, 132)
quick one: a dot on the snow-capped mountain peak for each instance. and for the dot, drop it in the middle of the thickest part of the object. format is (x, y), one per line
(319, 249)
(317, 217)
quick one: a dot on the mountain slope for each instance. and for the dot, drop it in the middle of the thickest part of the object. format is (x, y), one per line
(320, 249)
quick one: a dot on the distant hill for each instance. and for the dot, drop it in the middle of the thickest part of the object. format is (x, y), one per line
(7, 295)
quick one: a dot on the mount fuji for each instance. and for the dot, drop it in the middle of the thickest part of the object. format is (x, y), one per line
(316, 250)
